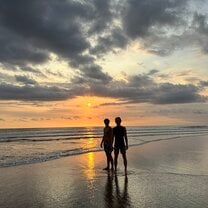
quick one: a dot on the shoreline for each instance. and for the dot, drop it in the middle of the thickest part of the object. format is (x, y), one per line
(101, 150)
(171, 173)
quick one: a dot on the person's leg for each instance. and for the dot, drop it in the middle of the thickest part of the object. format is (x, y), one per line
(107, 157)
(125, 161)
(111, 161)
(116, 159)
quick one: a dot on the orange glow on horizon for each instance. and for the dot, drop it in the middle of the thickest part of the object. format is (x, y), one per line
(83, 111)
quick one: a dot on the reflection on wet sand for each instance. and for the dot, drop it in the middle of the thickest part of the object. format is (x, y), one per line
(90, 171)
(90, 160)
(113, 196)
(108, 195)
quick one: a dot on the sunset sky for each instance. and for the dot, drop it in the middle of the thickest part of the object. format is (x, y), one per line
(76, 62)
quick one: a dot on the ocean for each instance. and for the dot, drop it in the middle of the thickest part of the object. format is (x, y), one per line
(26, 146)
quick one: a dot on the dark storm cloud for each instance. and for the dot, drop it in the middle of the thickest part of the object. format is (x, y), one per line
(82, 31)
(33, 93)
(102, 15)
(107, 43)
(169, 93)
(92, 74)
(45, 24)
(136, 89)
(152, 72)
(15, 50)
(30, 30)
(140, 81)
(200, 24)
(164, 26)
(161, 27)
(143, 89)
(203, 83)
(29, 69)
(80, 60)
(94, 71)
(140, 17)
(25, 80)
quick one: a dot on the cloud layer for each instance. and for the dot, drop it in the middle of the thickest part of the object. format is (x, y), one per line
(136, 89)
(81, 32)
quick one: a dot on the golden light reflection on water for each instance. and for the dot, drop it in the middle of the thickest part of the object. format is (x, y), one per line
(91, 143)
(90, 158)
(90, 171)
(90, 174)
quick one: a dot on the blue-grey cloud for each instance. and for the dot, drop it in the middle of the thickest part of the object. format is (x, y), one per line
(203, 84)
(33, 93)
(29, 31)
(142, 88)
(141, 18)
(25, 80)
(139, 88)
(82, 31)
(152, 72)
(108, 43)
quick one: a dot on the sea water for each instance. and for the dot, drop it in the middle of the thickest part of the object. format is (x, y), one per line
(26, 146)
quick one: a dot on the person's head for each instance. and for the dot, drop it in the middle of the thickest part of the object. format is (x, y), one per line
(106, 121)
(118, 121)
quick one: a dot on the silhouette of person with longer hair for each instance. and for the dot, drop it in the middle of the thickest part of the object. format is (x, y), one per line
(108, 143)
(121, 143)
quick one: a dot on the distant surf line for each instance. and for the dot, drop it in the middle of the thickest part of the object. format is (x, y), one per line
(80, 151)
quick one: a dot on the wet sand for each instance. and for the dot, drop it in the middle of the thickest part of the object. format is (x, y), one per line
(171, 173)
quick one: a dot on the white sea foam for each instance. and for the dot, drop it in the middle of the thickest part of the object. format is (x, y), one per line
(26, 146)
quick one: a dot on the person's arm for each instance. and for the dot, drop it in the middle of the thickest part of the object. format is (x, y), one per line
(101, 144)
(126, 138)
(112, 138)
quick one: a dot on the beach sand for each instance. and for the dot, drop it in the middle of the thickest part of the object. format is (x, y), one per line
(171, 173)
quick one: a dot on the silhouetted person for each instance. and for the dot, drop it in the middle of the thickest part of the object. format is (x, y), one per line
(108, 143)
(121, 142)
